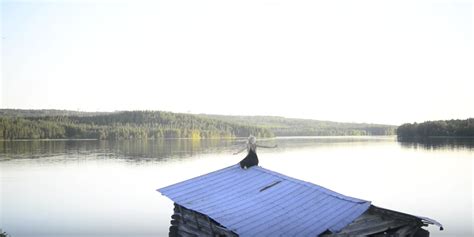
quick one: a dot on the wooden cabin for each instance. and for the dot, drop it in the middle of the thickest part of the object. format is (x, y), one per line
(260, 202)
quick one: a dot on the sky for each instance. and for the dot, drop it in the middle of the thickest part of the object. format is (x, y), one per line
(378, 61)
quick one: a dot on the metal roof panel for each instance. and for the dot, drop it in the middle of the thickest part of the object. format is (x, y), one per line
(260, 202)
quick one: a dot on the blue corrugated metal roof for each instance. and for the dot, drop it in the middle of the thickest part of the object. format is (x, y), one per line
(260, 202)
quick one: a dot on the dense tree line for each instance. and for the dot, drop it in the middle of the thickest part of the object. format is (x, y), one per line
(123, 125)
(437, 128)
(281, 126)
(56, 124)
(334, 131)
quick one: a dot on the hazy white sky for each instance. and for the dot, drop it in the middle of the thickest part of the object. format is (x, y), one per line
(356, 61)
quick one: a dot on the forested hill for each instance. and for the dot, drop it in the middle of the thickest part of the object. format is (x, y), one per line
(57, 124)
(281, 126)
(454, 127)
(30, 124)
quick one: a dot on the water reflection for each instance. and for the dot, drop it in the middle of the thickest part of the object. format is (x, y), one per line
(107, 188)
(164, 149)
(437, 143)
(289, 143)
(135, 150)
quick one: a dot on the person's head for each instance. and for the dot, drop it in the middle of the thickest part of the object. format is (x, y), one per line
(252, 140)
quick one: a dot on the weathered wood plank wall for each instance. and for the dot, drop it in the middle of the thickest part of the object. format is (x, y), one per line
(188, 223)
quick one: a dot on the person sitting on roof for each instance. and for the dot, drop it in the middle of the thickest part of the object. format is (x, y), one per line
(251, 159)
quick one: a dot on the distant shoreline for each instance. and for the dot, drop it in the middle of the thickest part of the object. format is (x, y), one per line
(237, 138)
(134, 125)
(228, 138)
(436, 137)
(58, 139)
(440, 128)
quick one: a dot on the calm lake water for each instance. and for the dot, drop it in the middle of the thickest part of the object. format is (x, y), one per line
(101, 188)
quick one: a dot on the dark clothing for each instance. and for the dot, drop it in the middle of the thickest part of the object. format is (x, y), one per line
(250, 160)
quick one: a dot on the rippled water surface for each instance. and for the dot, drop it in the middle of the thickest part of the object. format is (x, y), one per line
(101, 188)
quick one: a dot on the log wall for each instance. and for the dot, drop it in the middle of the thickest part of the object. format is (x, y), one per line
(188, 223)
(379, 222)
(375, 222)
